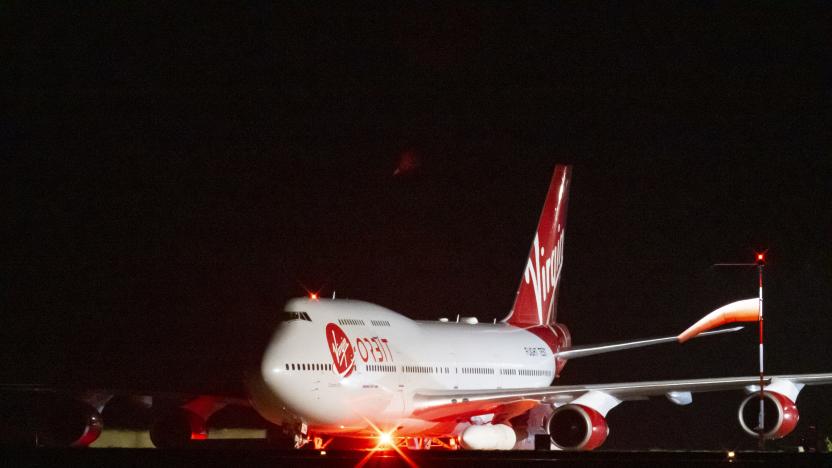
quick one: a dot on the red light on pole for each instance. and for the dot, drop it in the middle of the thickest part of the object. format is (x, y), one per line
(761, 259)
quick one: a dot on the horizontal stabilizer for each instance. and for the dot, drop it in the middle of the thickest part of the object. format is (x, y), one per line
(591, 350)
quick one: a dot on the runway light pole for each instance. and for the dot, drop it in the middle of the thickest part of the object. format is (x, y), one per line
(760, 263)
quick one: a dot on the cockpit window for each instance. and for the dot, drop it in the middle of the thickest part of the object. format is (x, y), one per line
(287, 316)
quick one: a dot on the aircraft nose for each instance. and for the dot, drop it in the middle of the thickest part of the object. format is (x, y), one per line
(270, 387)
(275, 362)
(275, 367)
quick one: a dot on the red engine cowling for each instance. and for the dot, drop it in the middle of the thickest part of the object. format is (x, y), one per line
(577, 427)
(780, 415)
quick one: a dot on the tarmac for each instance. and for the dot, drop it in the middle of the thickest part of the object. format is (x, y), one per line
(223, 455)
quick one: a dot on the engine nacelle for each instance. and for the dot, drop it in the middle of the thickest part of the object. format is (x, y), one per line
(67, 423)
(780, 415)
(577, 427)
(177, 427)
(488, 437)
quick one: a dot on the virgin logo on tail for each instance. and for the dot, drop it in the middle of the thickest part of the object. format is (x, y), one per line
(536, 296)
(543, 276)
(343, 356)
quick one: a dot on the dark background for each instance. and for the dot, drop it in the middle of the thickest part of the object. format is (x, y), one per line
(171, 175)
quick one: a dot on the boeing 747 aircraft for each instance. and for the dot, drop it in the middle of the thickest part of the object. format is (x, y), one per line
(351, 369)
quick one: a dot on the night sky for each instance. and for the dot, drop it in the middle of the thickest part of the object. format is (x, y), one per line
(172, 175)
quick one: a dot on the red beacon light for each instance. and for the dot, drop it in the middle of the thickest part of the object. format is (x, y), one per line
(313, 296)
(761, 259)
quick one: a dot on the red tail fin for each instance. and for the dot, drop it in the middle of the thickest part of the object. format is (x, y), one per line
(536, 301)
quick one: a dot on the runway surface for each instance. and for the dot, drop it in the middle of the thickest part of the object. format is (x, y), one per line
(238, 457)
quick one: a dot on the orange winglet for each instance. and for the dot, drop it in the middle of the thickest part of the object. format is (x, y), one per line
(747, 310)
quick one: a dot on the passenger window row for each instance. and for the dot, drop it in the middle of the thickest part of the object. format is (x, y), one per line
(380, 323)
(308, 367)
(422, 369)
(350, 322)
(426, 369)
(381, 368)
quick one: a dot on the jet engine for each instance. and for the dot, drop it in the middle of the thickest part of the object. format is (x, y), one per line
(577, 427)
(67, 423)
(780, 415)
(177, 427)
(48, 420)
(488, 437)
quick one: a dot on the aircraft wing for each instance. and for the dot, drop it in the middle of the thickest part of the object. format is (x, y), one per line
(453, 404)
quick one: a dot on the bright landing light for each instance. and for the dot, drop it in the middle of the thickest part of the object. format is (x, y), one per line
(385, 438)
(386, 442)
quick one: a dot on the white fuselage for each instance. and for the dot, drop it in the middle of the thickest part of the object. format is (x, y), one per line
(345, 366)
